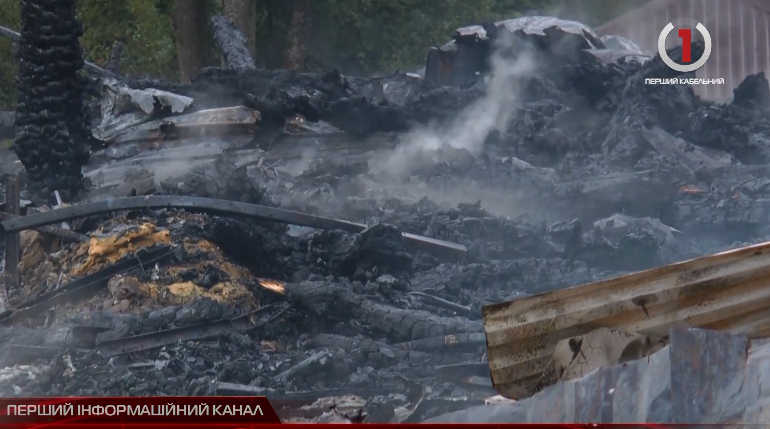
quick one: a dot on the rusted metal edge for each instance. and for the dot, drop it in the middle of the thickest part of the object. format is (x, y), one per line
(726, 291)
(152, 340)
(86, 285)
(222, 207)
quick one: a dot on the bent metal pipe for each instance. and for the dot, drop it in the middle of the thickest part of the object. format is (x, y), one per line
(440, 248)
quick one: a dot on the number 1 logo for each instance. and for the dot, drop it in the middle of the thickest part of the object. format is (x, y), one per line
(686, 35)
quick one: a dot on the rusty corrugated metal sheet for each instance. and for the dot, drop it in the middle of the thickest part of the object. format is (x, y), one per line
(740, 31)
(728, 291)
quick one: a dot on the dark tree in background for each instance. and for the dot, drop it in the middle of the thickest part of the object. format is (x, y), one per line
(192, 34)
(52, 134)
(244, 15)
(170, 38)
(297, 37)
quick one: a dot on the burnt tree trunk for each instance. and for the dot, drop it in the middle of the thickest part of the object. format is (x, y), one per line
(113, 64)
(193, 38)
(244, 14)
(52, 125)
(296, 40)
(231, 43)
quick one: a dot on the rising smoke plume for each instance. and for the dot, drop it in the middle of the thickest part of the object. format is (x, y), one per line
(472, 126)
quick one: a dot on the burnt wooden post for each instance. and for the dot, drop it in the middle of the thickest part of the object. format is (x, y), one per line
(12, 239)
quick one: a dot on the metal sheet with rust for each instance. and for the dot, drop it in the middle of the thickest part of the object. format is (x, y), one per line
(726, 291)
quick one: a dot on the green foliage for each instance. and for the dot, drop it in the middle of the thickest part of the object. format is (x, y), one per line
(365, 36)
(144, 28)
(372, 35)
(354, 36)
(9, 17)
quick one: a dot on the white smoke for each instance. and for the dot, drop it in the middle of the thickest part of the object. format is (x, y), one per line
(470, 128)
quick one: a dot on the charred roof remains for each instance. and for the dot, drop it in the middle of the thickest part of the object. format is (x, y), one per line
(490, 242)
(465, 59)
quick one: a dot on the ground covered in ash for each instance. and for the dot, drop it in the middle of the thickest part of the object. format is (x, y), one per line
(594, 175)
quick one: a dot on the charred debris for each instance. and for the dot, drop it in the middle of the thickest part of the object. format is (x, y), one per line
(330, 242)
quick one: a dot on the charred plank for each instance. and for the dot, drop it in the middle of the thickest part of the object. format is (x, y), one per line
(165, 337)
(335, 302)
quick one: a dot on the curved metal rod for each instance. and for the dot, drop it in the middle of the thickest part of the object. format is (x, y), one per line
(91, 67)
(218, 207)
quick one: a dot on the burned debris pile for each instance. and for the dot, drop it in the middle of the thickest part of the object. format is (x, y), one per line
(313, 236)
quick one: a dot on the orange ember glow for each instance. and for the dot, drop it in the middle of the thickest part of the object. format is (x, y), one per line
(691, 190)
(272, 285)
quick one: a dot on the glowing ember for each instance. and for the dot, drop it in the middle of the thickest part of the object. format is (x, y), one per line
(691, 190)
(272, 285)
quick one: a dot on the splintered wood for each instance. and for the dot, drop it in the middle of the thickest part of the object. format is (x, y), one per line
(539, 339)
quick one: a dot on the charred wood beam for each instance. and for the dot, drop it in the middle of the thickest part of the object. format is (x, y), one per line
(377, 354)
(113, 64)
(234, 389)
(91, 67)
(303, 367)
(442, 303)
(165, 337)
(231, 43)
(220, 207)
(332, 301)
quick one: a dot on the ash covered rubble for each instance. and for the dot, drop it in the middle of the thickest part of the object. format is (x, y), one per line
(593, 175)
